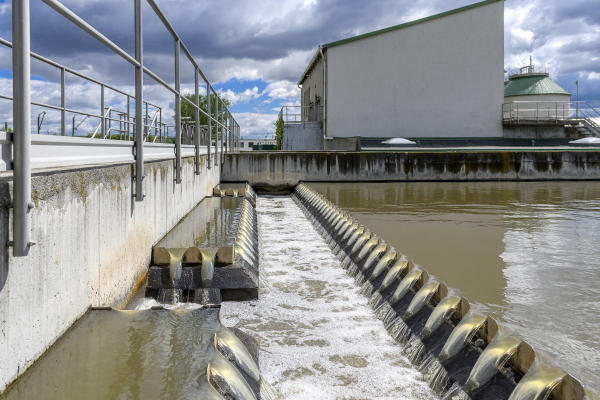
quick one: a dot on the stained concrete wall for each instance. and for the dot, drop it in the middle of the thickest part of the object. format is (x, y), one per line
(93, 248)
(303, 136)
(280, 169)
(439, 78)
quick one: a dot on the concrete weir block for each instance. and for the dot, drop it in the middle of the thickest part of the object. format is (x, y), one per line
(217, 192)
(192, 256)
(160, 256)
(229, 192)
(226, 255)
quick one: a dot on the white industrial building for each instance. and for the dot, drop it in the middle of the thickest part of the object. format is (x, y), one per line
(439, 77)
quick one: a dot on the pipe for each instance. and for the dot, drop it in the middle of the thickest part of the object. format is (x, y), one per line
(197, 124)
(22, 204)
(208, 123)
(324, 91)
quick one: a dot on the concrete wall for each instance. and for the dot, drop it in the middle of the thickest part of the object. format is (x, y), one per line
(93, 248)
(440, 78)
(285, 169)
(546, 106)
(303, 136)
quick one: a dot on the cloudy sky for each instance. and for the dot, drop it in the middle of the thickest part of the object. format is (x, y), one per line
(253, 52)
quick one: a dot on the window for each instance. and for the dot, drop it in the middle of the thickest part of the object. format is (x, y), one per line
(250, 144)
(241, 144)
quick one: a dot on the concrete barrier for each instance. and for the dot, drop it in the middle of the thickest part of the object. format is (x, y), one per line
(93, 247)
(286, 169)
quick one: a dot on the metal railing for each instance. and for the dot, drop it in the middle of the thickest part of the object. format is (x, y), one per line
(136, 127)
(549, 111)
(299, 114)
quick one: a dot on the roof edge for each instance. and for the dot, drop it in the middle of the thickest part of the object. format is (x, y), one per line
(310, 65)
(411, 23)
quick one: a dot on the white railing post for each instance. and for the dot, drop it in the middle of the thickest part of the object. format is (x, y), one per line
(139, 104)
(22, 204)
(197, 118)
(177, 114)
(208, 124)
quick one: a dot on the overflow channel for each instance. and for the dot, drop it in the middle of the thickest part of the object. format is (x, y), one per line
(462, 353)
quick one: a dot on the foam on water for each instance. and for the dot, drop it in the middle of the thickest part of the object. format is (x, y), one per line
(319, 339)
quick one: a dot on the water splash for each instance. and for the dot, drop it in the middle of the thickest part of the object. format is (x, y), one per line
(375, 300)
(367, 247)
(227, 379)
(360, 242)
(434, 374)
(440, 314)
(421, 298)
(495, 355)
(399, 330)
(394, 272)
(383, 263)
(357, 233)
(234, 350)
(366, 289)
(208, 266)
(176, 264)
(537, 384)
(405, 285)
(376, 254)
(461, 335)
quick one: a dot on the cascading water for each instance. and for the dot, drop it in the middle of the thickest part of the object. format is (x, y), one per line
(495, 355)
(443, 310)
(537, 384)
(421, 298)
(461, 335)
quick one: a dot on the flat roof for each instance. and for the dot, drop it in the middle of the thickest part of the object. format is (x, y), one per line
(391, 28)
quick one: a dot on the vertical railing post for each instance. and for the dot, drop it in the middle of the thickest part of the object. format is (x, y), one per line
(63, 122)
(102, 111)
(197, 118)
(128, 118)
(208, 123)
(222, 120)
(22, 203)
(217, 126)
(139, 104)
(177, 114)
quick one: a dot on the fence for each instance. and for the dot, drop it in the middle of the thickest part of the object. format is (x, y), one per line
(133, 131)
(299, 114)
(549, 111)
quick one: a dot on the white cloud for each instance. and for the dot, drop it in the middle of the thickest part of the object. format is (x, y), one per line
(282, 90)
(594, 76)
(241, 97)
(256, 125)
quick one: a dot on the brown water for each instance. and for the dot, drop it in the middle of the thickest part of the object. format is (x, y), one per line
(127, 355)
(528, 252)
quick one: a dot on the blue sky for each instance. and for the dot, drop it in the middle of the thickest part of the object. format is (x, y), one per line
(253, 52)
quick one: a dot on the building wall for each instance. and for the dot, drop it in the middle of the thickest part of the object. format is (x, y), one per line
(93, 247)
(313, 84)
(440, 78)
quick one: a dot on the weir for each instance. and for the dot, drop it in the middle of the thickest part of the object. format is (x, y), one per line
(461, 353)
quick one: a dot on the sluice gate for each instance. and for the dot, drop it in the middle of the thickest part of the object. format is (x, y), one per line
(462, 354)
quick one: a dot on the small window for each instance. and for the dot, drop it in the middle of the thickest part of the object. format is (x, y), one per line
(250, 144)
(241, 144)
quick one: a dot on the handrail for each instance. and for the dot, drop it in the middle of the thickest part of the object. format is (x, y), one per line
(225, 125)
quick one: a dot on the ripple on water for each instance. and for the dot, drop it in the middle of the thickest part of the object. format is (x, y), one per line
(319, 338)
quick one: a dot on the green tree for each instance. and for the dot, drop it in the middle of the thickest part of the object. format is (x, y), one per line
(278, 133)
(188, 111)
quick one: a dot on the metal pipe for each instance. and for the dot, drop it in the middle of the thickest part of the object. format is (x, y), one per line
(103, 131)
(139, 103)
(74, 18)
(63, 115)
(208, 123)
(22, 204)
(128, 118)
(216, 130)
(197, 118)
(177, 115)
(221, 121)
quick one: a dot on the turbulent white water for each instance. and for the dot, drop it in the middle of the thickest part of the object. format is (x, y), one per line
(318, 337)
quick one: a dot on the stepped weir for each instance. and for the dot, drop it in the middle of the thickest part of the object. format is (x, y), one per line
(462, 354)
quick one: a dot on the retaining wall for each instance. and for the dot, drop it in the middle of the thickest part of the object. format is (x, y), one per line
(280, 169)
(93, 247)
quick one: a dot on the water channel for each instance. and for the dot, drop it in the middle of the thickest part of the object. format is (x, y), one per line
(525, 252)
(318, 337)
